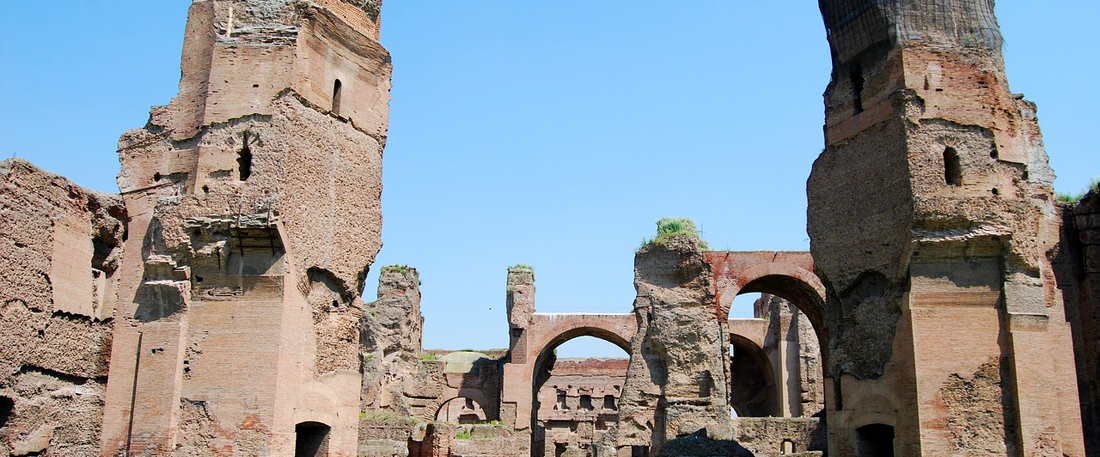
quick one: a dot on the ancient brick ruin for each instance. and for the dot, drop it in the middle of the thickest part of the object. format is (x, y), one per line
(948, 305)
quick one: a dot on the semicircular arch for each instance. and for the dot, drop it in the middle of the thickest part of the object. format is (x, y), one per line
(797, 285)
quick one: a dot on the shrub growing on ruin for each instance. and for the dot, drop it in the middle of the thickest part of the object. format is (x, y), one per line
(672, 227)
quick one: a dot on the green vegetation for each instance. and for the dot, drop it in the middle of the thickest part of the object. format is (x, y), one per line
(401, 269)
(672, 227)
(521, 267)
(464, 435)
(428, 356)
(1074, 198)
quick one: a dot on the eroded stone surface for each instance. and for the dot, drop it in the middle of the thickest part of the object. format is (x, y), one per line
(1077, 268)
(947, 266)
(60, 247)
(677, 380)
(254, 202)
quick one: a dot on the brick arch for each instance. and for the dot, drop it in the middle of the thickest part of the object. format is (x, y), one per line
(788, 275)
(476, 397)
(617, 329)
(548, 331)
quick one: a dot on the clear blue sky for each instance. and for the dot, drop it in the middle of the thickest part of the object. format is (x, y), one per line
(546, 133)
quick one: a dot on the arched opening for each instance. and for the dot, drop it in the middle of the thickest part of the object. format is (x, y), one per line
(461, 410)
(952, 168)
(780, 375)
(6, 407)
(577, 381)
(875, 440)
(311, 439)
(752, 390)
(337, 88)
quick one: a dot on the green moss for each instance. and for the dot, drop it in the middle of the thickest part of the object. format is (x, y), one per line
(672, 227)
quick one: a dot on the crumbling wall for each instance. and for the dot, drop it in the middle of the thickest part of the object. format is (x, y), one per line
(390, 335)
(775, 436)
(792, 346)
(947, 267)
(255, 204)
(60, 246)
(578, 403)
(487, 440)
(1077, 267)
(677, 379)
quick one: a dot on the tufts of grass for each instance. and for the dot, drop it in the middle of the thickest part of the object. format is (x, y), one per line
(1074, 198)
(464, 435)
(672, 227)
(428, 356)
(1069, 198)
(400, 269)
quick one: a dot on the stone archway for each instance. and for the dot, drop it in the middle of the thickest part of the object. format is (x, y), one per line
(785, 274)
(574, 413)
(796, 386)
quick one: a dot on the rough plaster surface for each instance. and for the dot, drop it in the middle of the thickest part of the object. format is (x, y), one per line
(765, 436)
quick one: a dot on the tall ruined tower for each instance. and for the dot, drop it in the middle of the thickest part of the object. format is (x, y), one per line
(253, 200)
(932, 222)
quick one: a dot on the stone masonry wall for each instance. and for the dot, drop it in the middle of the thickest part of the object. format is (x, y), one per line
(254, 199)
(1078, 271)
(932, 224)
(59, 251)
(579, 402)
(390, 340)
(677, 379)
(797, 360)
